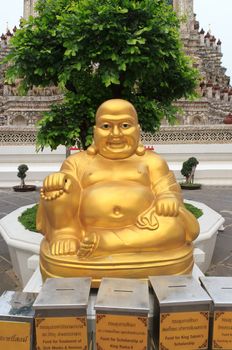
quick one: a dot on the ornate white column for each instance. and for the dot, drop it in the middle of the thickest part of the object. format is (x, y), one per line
(28, 9)
(184, 9)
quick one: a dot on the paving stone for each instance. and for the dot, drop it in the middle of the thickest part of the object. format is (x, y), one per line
(4, 252)
(5, 259)
(5, 264)
(220, 270)
(223, 248)
(228, 261)
(17, 201)
(9, 207)
(2, 214)
(217, 197)
(10, 200)
(9, 281)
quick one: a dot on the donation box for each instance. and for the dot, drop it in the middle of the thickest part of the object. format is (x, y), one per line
(16, 320)
(122, 308)
(60, 314)
(220, 290)
(181, 312)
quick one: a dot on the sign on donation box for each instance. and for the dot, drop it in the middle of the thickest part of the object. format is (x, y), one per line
(181, 313)
(220, 290)
(16, 320)
(122, 308)
(61, 314)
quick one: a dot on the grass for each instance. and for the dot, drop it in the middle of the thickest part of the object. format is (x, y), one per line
(194, 210)
(28, 217)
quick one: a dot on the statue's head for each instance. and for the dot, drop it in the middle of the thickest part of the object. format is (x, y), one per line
(117, 132)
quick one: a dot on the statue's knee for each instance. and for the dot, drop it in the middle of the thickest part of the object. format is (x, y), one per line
(171, 227)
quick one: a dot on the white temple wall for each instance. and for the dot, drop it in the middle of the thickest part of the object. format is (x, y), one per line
(215, 162)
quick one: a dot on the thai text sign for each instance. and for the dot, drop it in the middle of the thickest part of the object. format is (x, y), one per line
(184, 330)
(222, 330)
(121, 332)
(63, 333)
(15, 335)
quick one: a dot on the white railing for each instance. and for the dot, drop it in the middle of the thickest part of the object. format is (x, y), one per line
(12, 135)
(191, 134)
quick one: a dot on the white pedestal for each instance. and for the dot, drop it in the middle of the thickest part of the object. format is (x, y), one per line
(35, 283)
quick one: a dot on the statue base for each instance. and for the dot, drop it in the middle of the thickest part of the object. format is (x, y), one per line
(178, 261)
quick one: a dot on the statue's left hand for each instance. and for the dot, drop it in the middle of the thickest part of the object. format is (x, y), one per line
(57, 181)
(167, 207)
(56, 184)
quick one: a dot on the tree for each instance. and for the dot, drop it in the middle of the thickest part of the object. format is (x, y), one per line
(101, 49)
(22, 169)
(188, 169)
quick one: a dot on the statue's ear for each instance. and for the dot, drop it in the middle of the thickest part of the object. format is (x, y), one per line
(92, 150)
(140, 151)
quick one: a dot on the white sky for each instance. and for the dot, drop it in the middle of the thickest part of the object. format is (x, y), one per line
(217, 14)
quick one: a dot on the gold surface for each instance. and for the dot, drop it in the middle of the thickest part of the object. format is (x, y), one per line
(116, 209)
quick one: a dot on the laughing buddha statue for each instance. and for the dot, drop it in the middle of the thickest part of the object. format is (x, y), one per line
(116, 209)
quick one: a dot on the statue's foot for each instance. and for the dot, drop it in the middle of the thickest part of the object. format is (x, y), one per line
(64, 246)
(88, 246)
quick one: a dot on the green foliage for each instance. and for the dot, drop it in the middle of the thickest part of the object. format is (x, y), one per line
(188, 169)
(101, 49)
(22, 169)
(28, 218)
(194, 210)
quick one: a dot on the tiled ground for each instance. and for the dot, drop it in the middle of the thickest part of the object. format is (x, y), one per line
(220, 199)
(9, 201)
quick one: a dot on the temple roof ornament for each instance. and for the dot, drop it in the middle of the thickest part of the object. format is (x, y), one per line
(199, 44)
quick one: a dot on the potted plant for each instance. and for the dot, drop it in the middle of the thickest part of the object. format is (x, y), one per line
(22, 169)
(188, 171)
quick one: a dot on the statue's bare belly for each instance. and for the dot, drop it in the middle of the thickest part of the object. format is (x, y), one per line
(114, 204)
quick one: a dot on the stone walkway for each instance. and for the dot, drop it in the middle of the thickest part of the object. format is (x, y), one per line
(9, 201)
(218, 198)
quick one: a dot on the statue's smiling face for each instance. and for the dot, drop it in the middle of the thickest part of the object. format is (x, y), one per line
(116, 134)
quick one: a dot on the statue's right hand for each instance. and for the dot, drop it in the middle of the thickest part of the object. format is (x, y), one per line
(56, 182)
(64, 246)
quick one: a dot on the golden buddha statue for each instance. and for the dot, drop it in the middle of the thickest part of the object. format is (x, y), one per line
(116, 209)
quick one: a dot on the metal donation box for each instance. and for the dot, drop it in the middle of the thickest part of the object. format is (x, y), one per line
(181, 312)
(60, 314)
(122, 308)
(220, 290)
(16, 320)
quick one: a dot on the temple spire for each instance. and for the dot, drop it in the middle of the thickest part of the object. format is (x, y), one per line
(28, 9)
(184, 9)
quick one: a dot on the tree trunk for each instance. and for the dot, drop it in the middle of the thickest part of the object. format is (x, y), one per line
(83, 135)
(117, 89)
